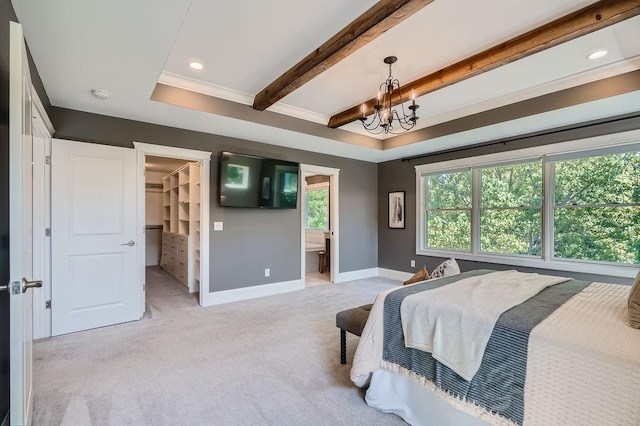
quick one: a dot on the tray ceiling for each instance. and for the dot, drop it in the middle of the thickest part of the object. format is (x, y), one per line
(128, 47)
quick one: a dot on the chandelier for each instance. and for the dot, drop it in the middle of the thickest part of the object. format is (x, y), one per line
(385, 116)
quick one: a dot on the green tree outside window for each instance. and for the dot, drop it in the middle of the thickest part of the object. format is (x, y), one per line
(317, 209)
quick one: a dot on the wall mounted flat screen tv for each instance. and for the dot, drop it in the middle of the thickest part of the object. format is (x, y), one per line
(257, 182)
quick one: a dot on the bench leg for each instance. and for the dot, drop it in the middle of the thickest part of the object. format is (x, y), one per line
(343, 346)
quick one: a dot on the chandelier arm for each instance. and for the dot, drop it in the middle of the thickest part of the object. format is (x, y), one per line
(374, 133)
(404, 113)
(403, 123)
(370, 129)
(373, 119)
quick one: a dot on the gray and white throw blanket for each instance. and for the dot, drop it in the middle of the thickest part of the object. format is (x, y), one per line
(534, 361)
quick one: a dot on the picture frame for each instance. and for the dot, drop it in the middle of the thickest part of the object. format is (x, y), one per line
(397, 210)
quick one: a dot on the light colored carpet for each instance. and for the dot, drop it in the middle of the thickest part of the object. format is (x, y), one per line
(268, 361)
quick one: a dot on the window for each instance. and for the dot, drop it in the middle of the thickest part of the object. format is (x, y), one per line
(448, 212)
(597, 208)
(237, 176)
(511, 209)
(317, 206)
(571, 206)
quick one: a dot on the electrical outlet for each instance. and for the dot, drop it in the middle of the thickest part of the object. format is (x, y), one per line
(267, 272)
(413, 263)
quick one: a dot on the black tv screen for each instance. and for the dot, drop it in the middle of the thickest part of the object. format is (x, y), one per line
(248, 181)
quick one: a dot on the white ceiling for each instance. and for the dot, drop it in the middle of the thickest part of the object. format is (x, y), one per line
(127, 47)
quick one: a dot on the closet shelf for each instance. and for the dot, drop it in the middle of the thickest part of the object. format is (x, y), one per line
(181, 208)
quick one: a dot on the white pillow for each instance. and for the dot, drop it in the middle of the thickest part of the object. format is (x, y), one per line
(446, 269)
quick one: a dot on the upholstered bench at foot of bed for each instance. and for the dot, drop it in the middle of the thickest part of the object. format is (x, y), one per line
(353, 321)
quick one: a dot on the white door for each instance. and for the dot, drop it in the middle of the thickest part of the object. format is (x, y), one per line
(93, 231)
(21, 233)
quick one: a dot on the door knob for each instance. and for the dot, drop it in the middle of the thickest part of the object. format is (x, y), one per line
(129, 243)
(26, 285)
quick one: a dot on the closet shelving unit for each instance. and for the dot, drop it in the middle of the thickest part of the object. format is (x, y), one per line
(181, 227)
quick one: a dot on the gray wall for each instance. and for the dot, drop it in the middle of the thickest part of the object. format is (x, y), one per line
(252, 239)
(396, 247)
(7, 14)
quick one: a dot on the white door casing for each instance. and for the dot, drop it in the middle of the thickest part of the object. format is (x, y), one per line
(334, 217)
(93, 231)
(21, 230)
(41, 221)
(204, 157)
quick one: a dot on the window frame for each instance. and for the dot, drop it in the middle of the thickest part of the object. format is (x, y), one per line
(477, 175)
(317, 187)
(627, 141)
(469, 209)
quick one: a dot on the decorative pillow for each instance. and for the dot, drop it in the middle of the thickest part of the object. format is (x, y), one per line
(421, 275)
(634, 303)
(446, 269)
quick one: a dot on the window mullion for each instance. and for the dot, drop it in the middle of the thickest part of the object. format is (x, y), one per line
(421, 212)
(548, 197)
(476, 189)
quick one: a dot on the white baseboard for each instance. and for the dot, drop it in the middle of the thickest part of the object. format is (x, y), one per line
(245, 293)
(393, 274)
(356, 275)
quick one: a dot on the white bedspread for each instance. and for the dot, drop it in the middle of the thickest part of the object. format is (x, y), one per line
(583, 367)
(454, 322)
(583, 364)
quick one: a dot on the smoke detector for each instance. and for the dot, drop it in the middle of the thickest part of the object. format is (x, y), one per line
(100, 94)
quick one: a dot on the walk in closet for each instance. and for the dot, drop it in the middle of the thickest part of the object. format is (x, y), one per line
(181, 225)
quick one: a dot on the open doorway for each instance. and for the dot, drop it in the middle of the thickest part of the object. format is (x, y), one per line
(172, 226)
(319, 231)
(173, 193)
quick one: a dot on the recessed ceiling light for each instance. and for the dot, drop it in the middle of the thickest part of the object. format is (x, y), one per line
(597, 54)
(196, 65)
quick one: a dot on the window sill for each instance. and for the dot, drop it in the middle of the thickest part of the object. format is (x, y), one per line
(624, 271)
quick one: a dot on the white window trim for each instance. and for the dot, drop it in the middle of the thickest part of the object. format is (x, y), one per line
(547, 261)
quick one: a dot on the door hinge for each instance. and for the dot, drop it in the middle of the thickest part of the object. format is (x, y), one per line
(144, 286)
(47, 304)
(47, 160)
(47, 232)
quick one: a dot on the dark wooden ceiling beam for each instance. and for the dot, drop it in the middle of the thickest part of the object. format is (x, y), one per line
(592, 18)
(383, 16)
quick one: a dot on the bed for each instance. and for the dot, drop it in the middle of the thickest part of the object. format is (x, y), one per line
(565, 356)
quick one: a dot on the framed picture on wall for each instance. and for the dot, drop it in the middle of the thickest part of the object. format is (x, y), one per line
(396, 210)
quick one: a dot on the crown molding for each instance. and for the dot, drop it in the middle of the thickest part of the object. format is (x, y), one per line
(193, 85)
